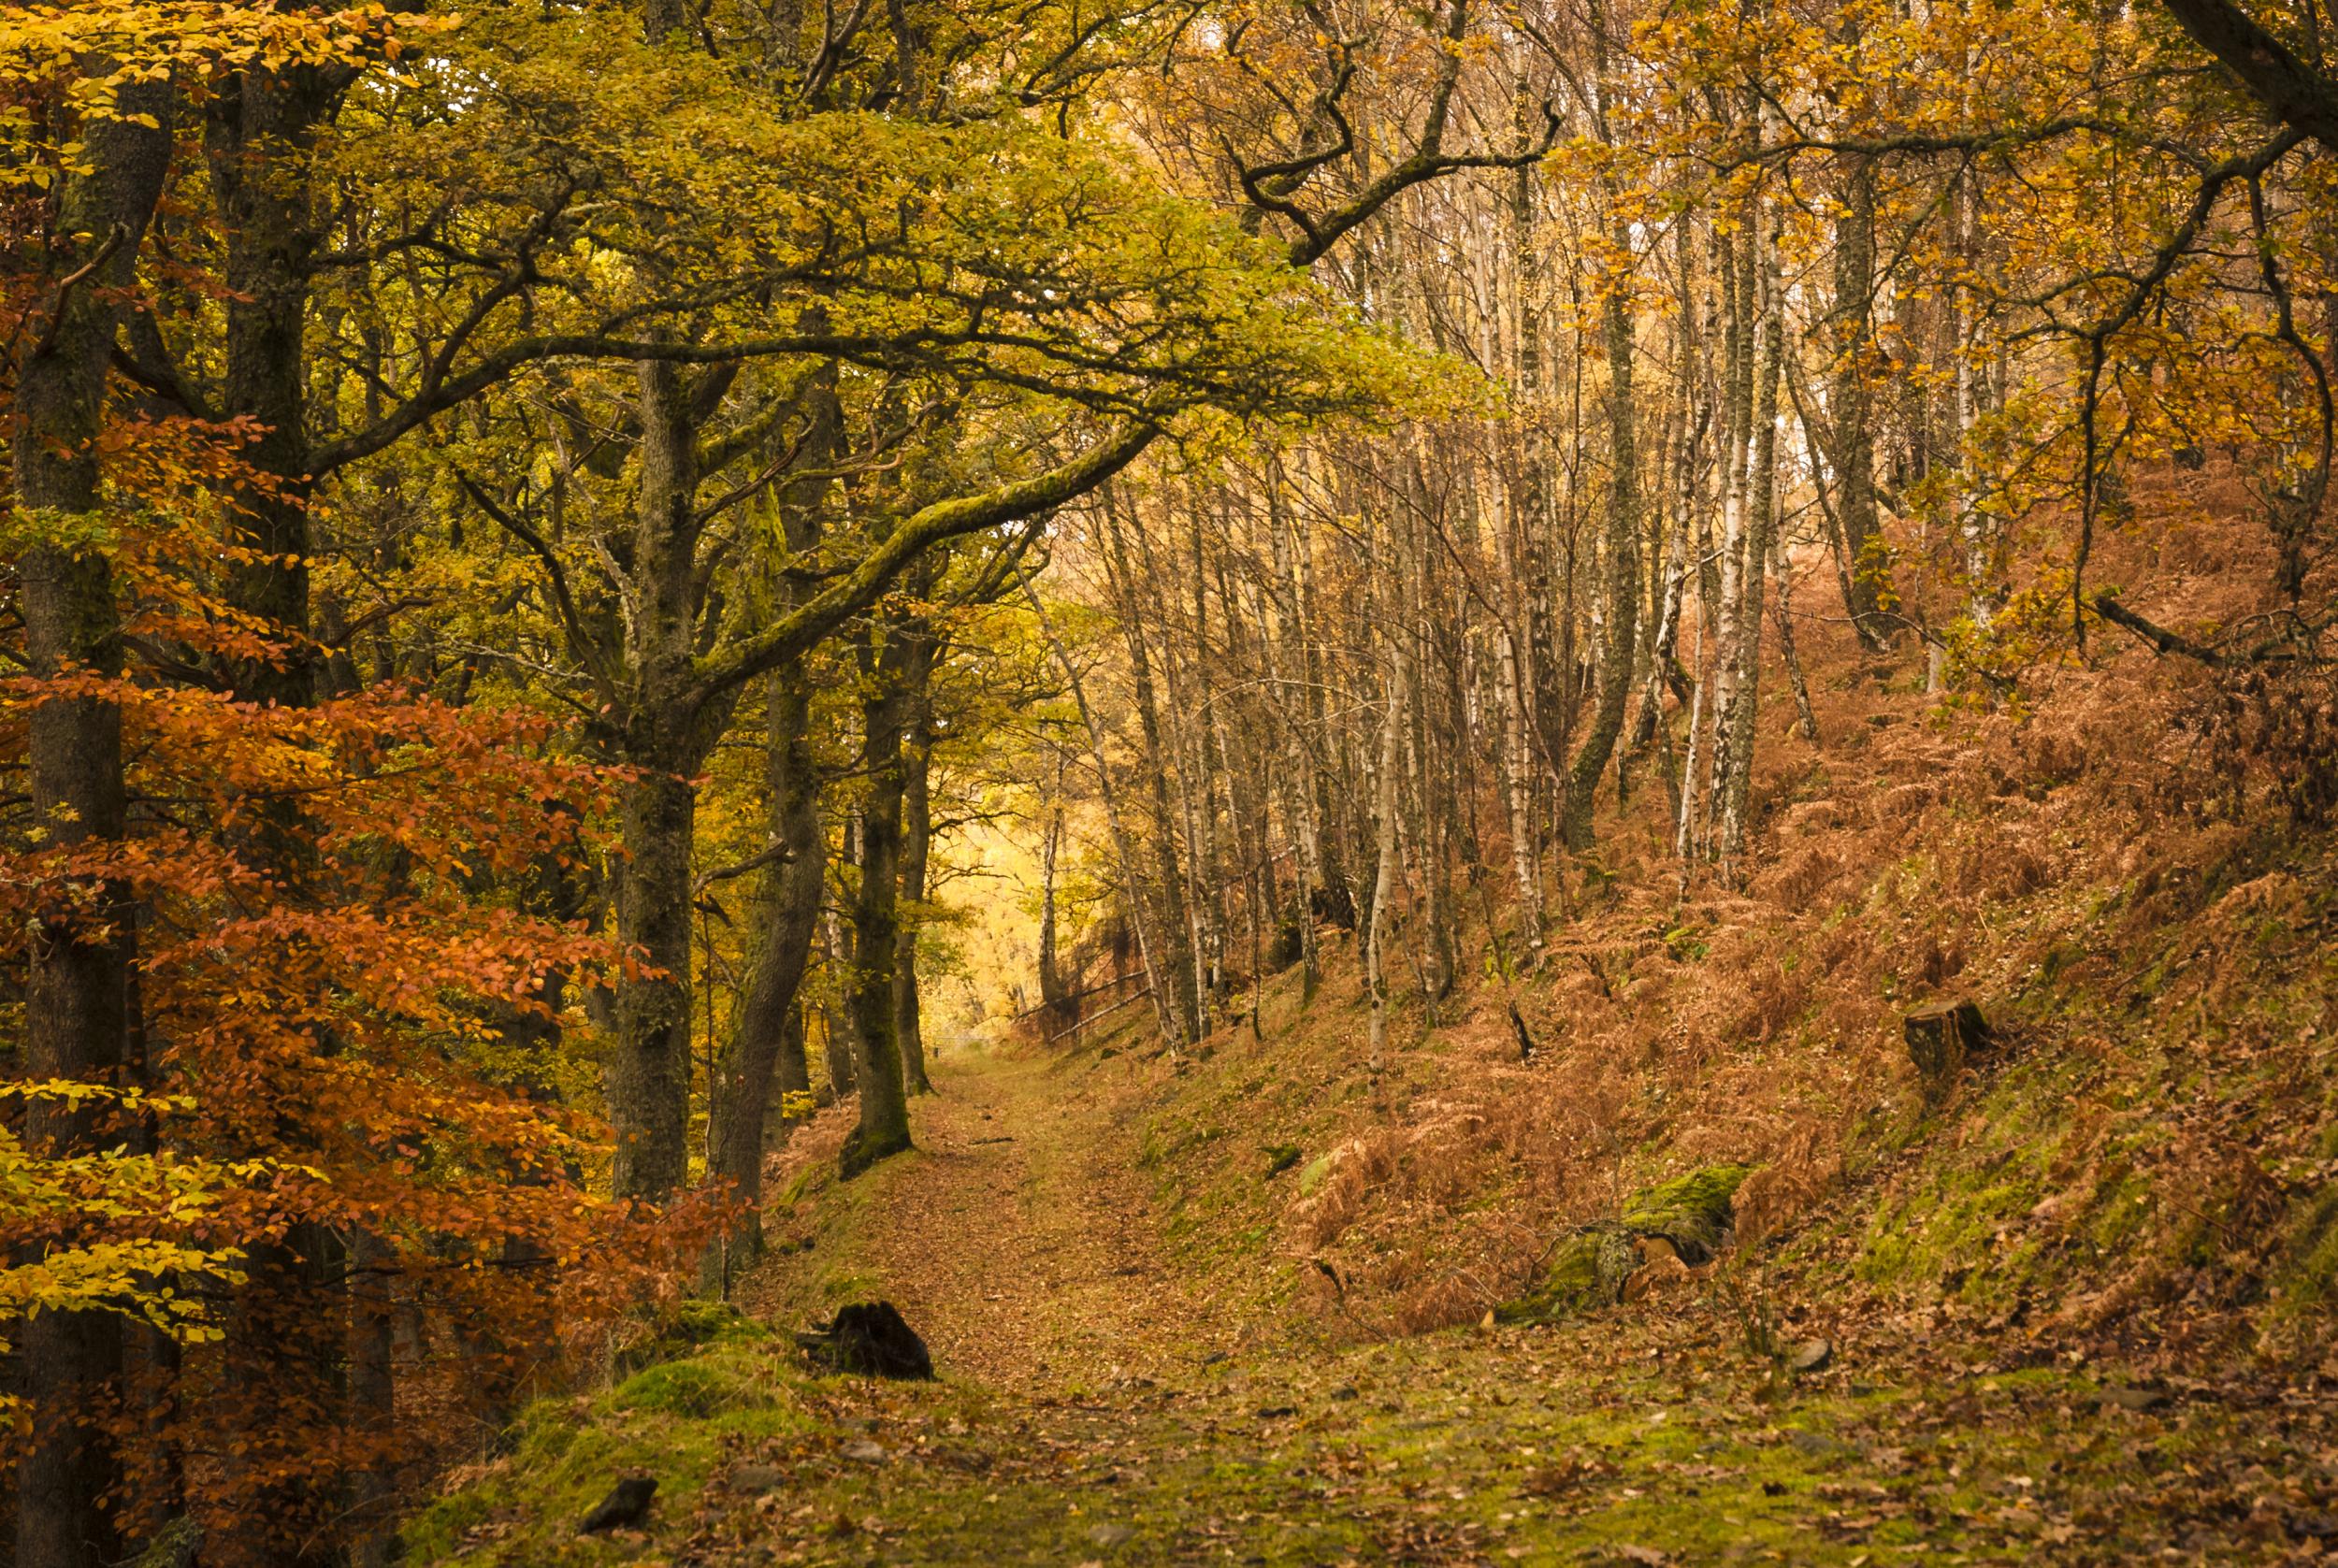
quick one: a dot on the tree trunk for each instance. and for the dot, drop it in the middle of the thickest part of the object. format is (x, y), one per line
(1176, 971)
(257, 143)
(372, 1397)
(648, 1066)
(917, 839)
(1621, 595)
(1851, 404)
(649, 1069)
(787, 911)
(1054, 1012)
(1619, 599)
(836, 1040)
(77, 1004)
(1783, 611)
(882, 1129)
(1737, 788)
(1384, 880)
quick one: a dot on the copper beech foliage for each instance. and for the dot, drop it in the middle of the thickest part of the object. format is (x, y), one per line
(344, 1022)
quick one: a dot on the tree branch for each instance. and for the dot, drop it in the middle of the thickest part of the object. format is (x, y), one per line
(2296, 93)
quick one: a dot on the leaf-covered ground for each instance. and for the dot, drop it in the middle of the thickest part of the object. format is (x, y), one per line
(1110, 1399)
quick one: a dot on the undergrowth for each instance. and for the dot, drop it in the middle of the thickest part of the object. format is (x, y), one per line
(2126, 873)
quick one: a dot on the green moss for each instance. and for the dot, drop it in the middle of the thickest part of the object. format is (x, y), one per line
(677, 1421)
(682, 1328)
(1318, 1170)
(683, 1389)
(1693, 1211)
(1588, 1267)
(2306, 1285)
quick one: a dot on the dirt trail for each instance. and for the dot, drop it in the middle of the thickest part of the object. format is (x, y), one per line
(1020, 1241)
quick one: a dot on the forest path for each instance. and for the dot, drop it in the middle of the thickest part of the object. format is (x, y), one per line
(1020, 1239)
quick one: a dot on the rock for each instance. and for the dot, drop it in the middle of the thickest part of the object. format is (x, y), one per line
(623, 1508)
(2139, 1400)
(1693, 1217)
(1811, 1355)
(1941, 1041)
(1279, 1157)
(864, 1452)
(1819, 1445)
(758, 1478)
(1107, 1536)
(871, 1339)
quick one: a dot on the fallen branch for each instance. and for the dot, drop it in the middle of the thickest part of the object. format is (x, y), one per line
(1101, 1012)
(2105, 603)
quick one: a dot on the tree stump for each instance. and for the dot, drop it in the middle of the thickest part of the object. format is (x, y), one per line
(1941, 1041)
(870, 1339)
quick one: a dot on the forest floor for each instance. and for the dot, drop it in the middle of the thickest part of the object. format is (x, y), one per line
(1114, 1390)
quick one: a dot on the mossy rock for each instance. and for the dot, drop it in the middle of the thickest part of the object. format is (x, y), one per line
(1695, 1212)
(1279, 1157)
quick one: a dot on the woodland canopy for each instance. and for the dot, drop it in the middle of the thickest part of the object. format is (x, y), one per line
(550, 545)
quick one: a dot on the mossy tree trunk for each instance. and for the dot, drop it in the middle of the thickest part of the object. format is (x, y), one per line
(895, 663)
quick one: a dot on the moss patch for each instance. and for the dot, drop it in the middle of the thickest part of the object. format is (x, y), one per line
(1693, 1214)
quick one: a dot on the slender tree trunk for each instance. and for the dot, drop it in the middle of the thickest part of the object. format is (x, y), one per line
(1740, 307)
(1782, 610)
(1124, 848)
(1056, 1012)
(1292, 670)
(1621, 595)
(1619, 545)
(1851, 403)
(1177, 971)
(372, 1397)
(836, 1038)
(1384, 880)
(1761, 528)
(916, 839)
